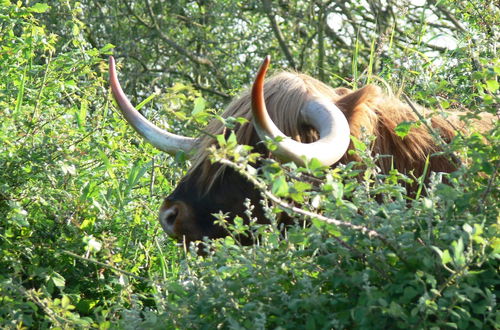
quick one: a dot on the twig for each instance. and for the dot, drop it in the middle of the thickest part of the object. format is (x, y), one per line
(152, 182)
(352, 21)
(193, 57)
(194, 83)
(56, 319)
(41, 89)
(492, 179)
(452, 19)
(277, 32)
(321, 44)
(181, 50)
(439, 140)
(74, 255)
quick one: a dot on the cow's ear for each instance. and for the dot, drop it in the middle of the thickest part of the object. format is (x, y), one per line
(366, 95)
(341, 91)
(359, 107)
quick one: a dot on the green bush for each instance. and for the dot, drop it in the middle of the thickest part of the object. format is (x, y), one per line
(81, 247)
(429, 262)
(67, 187)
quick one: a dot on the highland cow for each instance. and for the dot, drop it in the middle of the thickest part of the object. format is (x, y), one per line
(312, 120)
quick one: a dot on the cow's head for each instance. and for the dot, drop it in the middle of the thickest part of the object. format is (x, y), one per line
(297, 109)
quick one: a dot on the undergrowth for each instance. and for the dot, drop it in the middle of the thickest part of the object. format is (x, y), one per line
(81, 246)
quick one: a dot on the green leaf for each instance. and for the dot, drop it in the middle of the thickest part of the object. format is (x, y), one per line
(443, 255)
(75, 30)
(403, 129)
(409, 293)
(358, 144)
(221, 140)
(20, 93)
(280, 187)
(58, 280)
(18, 215)
(337, 190)
(39, 8)
(301, 186)
(231, 141)
(137, 172)
(446, 257)
(85, 305)
(444, 104)
(229, 241)
(82, 114)
(458, 252)
(241, 120)
(106, 48)
(314, 165)
(199, 106)
(146, 101)
(492, 85)
(298, 189)
(178, 87)
(476, 234)
(396, 310)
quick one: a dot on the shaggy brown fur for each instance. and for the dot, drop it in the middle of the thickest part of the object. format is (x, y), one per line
(368, 111)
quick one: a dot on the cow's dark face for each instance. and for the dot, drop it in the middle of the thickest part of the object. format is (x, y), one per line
(188, 212)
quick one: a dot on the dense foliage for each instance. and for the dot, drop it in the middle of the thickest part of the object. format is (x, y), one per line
(79, 191)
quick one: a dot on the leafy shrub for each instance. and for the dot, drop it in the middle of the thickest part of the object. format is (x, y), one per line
(62, 196)
(426, 262)
(80, 245)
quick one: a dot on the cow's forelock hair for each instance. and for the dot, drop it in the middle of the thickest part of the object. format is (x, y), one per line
(285, 94)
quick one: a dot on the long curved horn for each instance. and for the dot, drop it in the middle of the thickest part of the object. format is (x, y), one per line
(161, 139)
(321, 114)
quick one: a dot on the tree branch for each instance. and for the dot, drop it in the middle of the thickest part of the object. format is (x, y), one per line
(321, 44)
(452, 19)
(350, 19)
(278, 34)
(195, 84)
(200, 60)
(193, 57)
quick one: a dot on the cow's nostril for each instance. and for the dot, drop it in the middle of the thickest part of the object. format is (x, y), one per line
(177, 220)
(170, 214)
